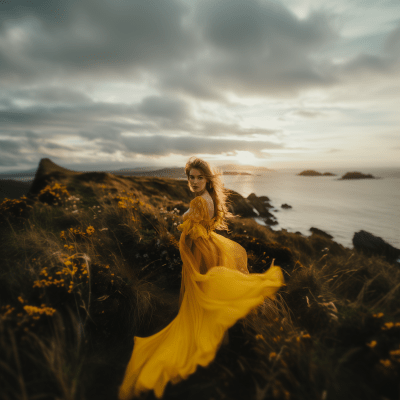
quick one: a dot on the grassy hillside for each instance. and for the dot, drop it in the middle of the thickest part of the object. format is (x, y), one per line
(89, 260)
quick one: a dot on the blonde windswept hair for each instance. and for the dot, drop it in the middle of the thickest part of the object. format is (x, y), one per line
(215, 187)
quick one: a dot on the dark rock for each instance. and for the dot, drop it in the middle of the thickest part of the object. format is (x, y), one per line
(373, 245)
(309, 172)
(286, 206)
(317, 231)
(270, 221)
(266, 201)
(264, 198)
(239, 205)
(356, 175)
(259, 205)
(245, 207)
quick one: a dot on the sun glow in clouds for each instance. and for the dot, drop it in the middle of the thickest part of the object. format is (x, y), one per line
(245, 157)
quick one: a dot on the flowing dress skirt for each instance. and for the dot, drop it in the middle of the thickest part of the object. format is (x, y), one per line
(216, 291)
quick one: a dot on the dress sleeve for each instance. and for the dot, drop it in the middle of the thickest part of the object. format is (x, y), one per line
(196, 224)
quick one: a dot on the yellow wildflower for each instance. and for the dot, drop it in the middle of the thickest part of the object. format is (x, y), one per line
(395, 353)
(388, 325)
(372, 344)
(386, 363)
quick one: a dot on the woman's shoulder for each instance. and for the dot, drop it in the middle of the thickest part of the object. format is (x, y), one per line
(204, 198)
(197, 200)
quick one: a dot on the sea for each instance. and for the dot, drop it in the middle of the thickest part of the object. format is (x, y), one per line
(338, 207)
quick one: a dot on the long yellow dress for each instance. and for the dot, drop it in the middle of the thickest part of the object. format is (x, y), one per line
(216, 291)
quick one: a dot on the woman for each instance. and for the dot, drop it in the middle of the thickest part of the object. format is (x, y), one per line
(216, 291)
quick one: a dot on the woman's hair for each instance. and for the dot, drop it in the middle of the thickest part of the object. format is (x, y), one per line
(215, 187)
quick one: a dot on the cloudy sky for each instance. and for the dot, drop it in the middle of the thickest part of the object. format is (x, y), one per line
(95, 84)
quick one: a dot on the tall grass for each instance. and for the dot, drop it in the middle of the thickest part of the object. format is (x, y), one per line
(84, 272)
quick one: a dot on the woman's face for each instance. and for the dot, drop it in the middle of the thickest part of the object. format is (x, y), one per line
(197, 180)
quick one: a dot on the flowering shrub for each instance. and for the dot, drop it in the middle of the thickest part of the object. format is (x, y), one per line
(53, 194)
(77, 233)
(14, 208)
(24, 314)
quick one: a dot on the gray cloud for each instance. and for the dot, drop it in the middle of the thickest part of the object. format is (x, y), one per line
(188, 81)
(164, 145)
(308, 114)
(392, 43)
(164, 108)
(369, 63)
(102, 126)
(81, 37)
(9, 146)
(262, 48)
(246, 28)
(259, 47)
(52, 95)
(9, 152)
(153, 114)
(202, 50)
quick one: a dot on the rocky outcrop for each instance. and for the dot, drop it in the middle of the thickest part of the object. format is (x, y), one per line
(261, 204)
(251, 207)
(266, 201)
(237, 204)
(373, 245)
(46, 172)
(311, 172)
(356, 175)
(316, 231)
(287, 206)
